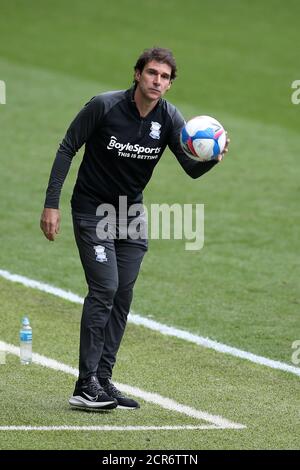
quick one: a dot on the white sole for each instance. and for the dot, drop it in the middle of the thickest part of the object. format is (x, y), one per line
(81, 402)
(120, 407)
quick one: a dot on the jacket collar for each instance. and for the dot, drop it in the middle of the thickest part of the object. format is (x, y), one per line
(130, 98)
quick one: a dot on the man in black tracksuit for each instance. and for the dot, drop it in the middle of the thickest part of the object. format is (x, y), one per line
(125, 134)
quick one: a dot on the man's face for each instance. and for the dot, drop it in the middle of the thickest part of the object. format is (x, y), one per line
(154, 80)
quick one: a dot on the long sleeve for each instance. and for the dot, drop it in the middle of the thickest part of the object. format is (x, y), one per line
(191, 167)
(77, 134)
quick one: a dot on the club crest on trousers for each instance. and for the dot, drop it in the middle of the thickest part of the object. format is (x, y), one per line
(100, 253)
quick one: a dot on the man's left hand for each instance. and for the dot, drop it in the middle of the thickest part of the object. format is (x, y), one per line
(220, 157)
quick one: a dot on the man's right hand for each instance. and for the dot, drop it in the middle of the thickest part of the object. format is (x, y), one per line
(50, 221)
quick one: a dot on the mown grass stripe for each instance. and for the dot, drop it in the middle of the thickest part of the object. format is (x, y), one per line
(159, 327)
(150, 397)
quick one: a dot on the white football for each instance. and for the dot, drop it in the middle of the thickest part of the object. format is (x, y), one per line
(203, 138)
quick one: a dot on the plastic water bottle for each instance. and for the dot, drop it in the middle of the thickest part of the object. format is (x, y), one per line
(26, 342)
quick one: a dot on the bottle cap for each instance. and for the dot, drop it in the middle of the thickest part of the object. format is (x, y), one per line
(25, 321)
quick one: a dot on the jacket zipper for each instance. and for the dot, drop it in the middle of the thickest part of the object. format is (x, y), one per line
(140, 128)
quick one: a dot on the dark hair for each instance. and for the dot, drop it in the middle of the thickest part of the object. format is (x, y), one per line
(160, 54)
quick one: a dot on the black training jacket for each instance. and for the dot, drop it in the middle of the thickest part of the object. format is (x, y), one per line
(121, 151)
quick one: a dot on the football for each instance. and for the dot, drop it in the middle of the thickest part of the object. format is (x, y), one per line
(203, 138)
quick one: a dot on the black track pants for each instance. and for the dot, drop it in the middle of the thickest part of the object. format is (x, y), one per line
(111, 267)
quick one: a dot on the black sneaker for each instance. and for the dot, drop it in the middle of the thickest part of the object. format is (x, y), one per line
(112, 391)
(90, 395)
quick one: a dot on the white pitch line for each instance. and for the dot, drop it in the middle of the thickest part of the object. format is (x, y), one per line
(150, 397)
(161, 328)
(106, 428)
